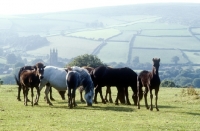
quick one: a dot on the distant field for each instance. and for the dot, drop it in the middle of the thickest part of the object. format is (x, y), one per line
(125, 36)
(114, 52)
(96, 34)
(193, 56)
(175, 32)
(146, 55)
(196, 30)
(67, 47)
(2, 60)
(167, 42)
(153, 25)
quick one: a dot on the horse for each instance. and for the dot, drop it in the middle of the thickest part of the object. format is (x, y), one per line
(79, 77)
(122, 78)
(39, 65)
(150, 80)
(53, 77)
(108, 90)
(30, 78)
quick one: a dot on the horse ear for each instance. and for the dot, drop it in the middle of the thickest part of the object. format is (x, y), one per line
(44, 66)
(159, 59)
(153, 59)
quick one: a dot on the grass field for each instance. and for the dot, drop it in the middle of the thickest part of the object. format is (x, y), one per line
(167, 42)
(177, 113)
(114, 52)
(181, 32)
(146, 55)
(67, 47)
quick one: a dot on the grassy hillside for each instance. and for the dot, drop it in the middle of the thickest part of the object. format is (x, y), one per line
(159, 26)
(178, 111)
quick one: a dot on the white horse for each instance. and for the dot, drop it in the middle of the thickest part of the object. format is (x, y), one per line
(79, 77)
(57, 78)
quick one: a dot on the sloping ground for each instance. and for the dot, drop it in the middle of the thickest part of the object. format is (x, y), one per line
(67, 47)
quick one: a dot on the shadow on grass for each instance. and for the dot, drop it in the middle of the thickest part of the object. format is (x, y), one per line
(192, 113)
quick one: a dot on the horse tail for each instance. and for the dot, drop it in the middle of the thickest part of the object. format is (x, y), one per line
(139, 89)
(17, 81)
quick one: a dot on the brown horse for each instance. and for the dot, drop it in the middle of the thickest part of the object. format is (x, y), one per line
(30, 79)
(150, 80)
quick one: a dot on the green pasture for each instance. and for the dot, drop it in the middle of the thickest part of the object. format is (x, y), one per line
(2, 60)
(68, 47)
(194, 57)
(146, 55)
(178, 111)
(196, 30)
(175, 32)
(131, 18)
(125, 36)
(167, 42)
(151, 25)
(84, 18)
(96, 34)
(114, 52)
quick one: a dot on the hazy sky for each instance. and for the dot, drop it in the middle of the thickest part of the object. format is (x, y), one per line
(41, 6)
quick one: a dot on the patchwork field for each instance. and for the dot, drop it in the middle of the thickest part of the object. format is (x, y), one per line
(67, 47)
(146, 55)
(114, 52)
(167, 42)
(178, 111)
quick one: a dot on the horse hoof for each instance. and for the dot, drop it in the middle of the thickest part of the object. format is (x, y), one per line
(82, 101)
(138, 107)
(50, 104)
(157, 109)
(89, 104)
(52, 99)
(35, 103)
(116, 103)
(18, 99)
(128, 103)
(104, 102)
(111, 101)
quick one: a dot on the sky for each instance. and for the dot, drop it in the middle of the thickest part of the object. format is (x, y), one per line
(11, 7)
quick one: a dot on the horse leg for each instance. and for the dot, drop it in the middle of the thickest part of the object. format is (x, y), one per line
(138, 96)
(69, 98)
(51, 96)
(46, 95)
(73, 97)
(156, 99)
(32, 96)
(37, 96)
(126, 95)
(95, 94)
(19, 90)
(151, 97)
(101, 95)
(81, 96)
(24, 92)
(116, 101)
(26, 96)
(108, 91)
(145, 97)
(106, 94)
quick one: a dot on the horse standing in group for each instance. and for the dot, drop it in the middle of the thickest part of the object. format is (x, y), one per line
(122, 78)
(56, 77)
(108, 90)
(150, 80)
(79, 77)
(17, 79)
(30, 79)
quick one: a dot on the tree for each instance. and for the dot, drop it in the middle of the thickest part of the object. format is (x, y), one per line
(175, 59)
(11, 59)
(86, 60)
(167, 83)
(19, 64)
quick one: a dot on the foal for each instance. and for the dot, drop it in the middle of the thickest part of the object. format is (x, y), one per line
(29, 78)
(150, 80)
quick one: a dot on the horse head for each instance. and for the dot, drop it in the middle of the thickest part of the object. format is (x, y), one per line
(89, 92)
(156, 64)
(39, 67)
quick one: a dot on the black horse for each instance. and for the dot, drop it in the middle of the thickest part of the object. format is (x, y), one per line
(122, 78)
